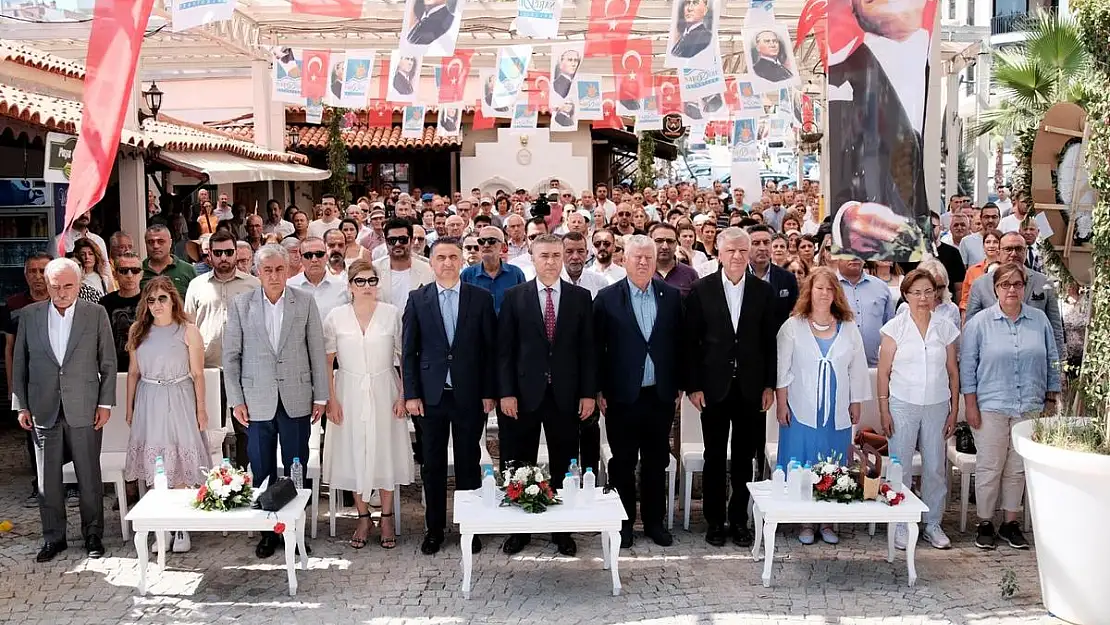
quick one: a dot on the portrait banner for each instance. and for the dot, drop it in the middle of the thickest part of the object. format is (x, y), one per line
(337, 68)
(488, 78)
(431, 27)
(746, 176)
(449, 120)
(287, 76)
(565, 61)
(355, 90)
(698, 83)
(648, 117)
(404, 77)
(192, 13)
(525, 117)
(538, 18)
(692, 42)
(564, 118)
(511, 71)
(771, 61)
(589, 98)
(412, 125)
(744, 140)
(877, 88)
(314, 111)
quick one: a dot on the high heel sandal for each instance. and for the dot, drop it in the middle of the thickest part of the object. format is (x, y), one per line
(387, 542)
(359, 543)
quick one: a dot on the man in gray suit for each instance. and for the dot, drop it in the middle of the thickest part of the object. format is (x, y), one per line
(1039, 292)
(64, 382)
(274, 370)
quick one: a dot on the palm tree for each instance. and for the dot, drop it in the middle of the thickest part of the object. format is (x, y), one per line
(1050, 66)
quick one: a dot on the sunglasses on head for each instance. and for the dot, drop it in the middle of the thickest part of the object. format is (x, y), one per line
(489, 241)
(371, 281)
(401, 240)
(228, 253)
(311, 255)
(161, 299)
(130, 270)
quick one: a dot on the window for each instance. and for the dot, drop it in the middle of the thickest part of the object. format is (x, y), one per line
(951, 9)
(395, 174)
(969, 80)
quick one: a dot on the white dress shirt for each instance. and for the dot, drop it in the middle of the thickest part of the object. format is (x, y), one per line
(613, 273)
(330, 294)
(319, 227)
(1009, 223)
(734, 297)
(919, 374)
(589, 280)
(59, 326)
(556, 291)
(524, 263)
(274, 312)
(282, 228)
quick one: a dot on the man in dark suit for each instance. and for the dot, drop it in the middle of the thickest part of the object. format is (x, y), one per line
(638, 324)
(546, 369)
(448, 345)
(569, 61)
(732, 322)
(694, 35)
(783, 283)
(433, 19)
(769, 57)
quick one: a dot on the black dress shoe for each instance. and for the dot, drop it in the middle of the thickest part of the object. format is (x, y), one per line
(515, 543)
(94, 547)
(626, 539)
(476, 544)
(49, 550)
(266, 545)
(432, 543)
(716, 535)
(660, 535)
(565, 544)
(742, 536)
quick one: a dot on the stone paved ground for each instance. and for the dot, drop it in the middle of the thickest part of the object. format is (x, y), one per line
(220, 580)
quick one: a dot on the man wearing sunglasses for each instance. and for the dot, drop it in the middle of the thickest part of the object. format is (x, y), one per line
(329, 291)
(492, 274)
(400, 272)
(603, 265)
(122, 303)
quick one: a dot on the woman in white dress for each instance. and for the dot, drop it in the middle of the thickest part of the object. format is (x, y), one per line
(367, 447)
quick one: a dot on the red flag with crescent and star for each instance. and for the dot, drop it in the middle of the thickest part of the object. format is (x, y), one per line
(481, 122)
(670, 95)
(609, 117)
(732, 94)
(379, 114)
(453, 71)
(539, 86)
(632, 69)
(609, 26)
(115, 38)
(329, 8)
(314, 81)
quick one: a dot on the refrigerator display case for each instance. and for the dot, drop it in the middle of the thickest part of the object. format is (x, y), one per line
(27, 226)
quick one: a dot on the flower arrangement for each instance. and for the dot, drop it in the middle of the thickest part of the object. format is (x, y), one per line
(224, 488)
(832, 481)
(889, 496)
(529, 487)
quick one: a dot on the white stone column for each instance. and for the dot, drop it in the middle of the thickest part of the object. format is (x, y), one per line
(952, 137)
(131, 167)
(983, 144)
(269, 116)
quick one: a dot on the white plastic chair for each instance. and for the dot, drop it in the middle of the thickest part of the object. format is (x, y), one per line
(334, 507)
(672, 472)
(312, 469)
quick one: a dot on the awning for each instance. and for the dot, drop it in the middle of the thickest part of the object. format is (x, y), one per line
(224, 168)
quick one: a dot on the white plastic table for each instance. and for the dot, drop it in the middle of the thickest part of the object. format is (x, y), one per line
(162, 511)
(605, 514)
(770, 512)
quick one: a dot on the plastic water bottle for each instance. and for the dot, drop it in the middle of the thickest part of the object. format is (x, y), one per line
(226, 463)
(793, 480)
(589, 486)
(160, 480)
(570, 489)
(778, 483)
(894, 474)
(489, 488)
(807, 482)
(296, 473)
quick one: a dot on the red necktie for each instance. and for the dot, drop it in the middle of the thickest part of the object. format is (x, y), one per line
(549, 316)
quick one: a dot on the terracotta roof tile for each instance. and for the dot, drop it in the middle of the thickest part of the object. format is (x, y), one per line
(363, 137)
(31, 57)
(53, 113)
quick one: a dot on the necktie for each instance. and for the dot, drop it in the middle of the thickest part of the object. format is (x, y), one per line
(549, 316)
(449, 316)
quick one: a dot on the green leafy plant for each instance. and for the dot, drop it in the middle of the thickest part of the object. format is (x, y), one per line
(337, 156)
(1008, 585)
(645, 174)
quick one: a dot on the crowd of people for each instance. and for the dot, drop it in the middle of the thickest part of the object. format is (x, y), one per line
(566, 313)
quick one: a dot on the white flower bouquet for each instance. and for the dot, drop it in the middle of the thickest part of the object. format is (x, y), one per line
(529, 487)
(833, 481)
(224, 488)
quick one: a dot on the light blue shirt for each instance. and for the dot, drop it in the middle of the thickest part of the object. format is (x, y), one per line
(643, 305)
(871, 301)
(449, 308)
(1009, 365)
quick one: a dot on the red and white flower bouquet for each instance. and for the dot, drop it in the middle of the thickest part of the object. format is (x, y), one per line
(833, 481)
(224, 488)
(528, 487)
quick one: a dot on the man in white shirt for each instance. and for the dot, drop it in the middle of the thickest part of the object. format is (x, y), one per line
(1005, 206)
(535, 228)
(1012, 222)
(400, 272)
(575, 253)
(514, 231)
(330, 217)
(603, 265)
(971, 246)
(80, 230)
(329, 291)
(602, 194)
(274, 224)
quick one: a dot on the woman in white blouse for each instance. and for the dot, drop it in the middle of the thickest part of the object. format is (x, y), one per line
(944, 306)
(822, 379)
(918, 385)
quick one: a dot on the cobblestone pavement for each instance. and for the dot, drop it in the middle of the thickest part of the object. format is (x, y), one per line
(221, 581)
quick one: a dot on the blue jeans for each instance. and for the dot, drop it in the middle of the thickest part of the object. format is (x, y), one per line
(263, 438)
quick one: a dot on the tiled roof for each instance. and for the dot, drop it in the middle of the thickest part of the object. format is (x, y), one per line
(362, 137)
(430, 108)
(53, 113)
(183, 137)
(24, 55)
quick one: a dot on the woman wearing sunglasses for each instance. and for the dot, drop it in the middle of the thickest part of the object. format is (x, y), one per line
(369, 446)
(165, 394)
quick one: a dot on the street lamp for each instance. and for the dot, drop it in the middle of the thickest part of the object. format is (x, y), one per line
(292, 137)
(153, 99)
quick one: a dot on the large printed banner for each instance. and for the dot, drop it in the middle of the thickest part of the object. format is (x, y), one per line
(877, 110)
(192, 13)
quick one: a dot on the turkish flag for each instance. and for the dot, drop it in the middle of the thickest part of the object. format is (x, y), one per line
(379, 114)
(670, 95)
(481, 122)
(732, 94)
(453, 71)
(610, 25)
(314, 80)
(539, 86)
(115, 39)
(632, 70)
(609, 117)
(329, 8)
(807, 114)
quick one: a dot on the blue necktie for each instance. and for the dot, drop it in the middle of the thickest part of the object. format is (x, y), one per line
(449, 316)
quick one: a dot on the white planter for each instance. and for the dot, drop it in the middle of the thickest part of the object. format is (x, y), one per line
(1069, 493)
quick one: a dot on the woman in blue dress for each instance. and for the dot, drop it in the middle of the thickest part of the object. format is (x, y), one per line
(822, 379)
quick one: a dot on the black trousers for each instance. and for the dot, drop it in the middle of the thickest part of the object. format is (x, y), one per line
(640, 432)
(589, 442)
(84, 444)
(748, 424)
(560, 428)
(464, 425)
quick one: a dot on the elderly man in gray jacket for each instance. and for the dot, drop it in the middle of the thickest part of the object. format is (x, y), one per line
(64, 383)
(274, 370)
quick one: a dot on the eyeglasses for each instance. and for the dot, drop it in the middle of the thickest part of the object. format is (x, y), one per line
(603, 244)
(1010, 286)
(470, 248)
(665, 241)
(371, 281)
(130, 270)
(161, 299)
(401, 240)
(922, 293)
(489, 241)
(1014, 249)
(228, 253)
(624, 214)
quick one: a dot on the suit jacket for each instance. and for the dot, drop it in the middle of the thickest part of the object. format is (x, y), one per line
(561, 85)
(258, 376)
(419, 275)
(785, 290)
(880, 157)
(430, 28)
(401, 84)
(721, 354)
(692, 43)
(564, 120)
(770, 71)
(426, 357)
(1039, 293)
(526, 359)
(622, 348)
(85, 379)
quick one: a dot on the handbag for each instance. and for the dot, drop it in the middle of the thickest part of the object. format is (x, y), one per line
(276, 496)
(870, 469)
(965, 440)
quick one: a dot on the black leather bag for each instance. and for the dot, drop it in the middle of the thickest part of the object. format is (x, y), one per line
(276, 496)
(965, 440)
